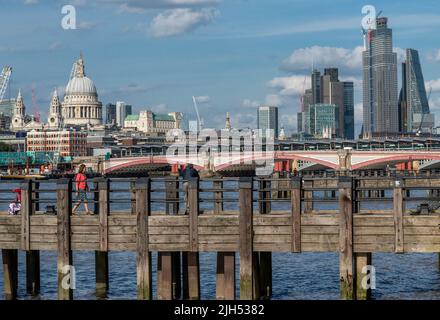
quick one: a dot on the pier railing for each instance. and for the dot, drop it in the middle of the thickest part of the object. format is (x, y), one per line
(252, 217)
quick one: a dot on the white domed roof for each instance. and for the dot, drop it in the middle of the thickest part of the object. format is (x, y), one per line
(81, 86)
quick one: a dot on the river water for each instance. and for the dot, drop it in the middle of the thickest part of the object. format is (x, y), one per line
(302, 276)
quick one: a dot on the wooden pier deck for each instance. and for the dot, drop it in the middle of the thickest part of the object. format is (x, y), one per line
(251, 228)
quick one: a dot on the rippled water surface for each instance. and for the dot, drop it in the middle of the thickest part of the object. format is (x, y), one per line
(295, 276)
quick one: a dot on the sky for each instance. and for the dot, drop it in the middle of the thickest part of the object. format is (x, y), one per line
(232, 54)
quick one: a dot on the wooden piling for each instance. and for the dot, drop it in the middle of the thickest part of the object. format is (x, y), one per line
(296, 213)
(218, 196)
(225, 272)
(245, 227)
(168, 263)
(346, 265)
(29, 207)
(66, 274)
(308, 196)
(10, 273)
(143, 211)
(263, 261)
(101, 257)
(191, 266)
(361, 261)
(398, 216)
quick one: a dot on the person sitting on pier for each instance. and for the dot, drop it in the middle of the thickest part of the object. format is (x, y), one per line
(81, 189)
(15, 207)
(188, 173)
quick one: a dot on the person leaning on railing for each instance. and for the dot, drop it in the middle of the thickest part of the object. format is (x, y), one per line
(82, 188)
(188, 173)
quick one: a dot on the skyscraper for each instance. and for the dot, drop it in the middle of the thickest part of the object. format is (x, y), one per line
(331, 92)
(122, 111)
(380, 105)
(348, 110)
(417, 107)
(267, 118)
(110, 112)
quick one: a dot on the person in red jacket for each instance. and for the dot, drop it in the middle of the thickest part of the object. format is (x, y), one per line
(81, 189)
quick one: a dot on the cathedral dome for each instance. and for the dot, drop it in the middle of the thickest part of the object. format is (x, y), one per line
(81, 86)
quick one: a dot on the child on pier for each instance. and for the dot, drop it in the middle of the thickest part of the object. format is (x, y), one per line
(81, 189)
(15, 207)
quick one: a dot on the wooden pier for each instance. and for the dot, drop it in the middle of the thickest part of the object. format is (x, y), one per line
(251, 229)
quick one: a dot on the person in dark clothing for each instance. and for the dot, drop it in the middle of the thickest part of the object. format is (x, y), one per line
(188, 173)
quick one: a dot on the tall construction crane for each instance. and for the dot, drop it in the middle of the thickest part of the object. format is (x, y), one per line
(4, 81)
(199, 122)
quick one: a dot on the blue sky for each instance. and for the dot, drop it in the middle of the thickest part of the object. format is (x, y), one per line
(157, 54)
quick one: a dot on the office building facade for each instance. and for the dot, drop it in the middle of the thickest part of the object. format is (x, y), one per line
(417, 113)
(267, 118)
(380, 100)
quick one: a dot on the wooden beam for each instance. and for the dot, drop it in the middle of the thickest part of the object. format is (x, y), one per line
(28, 208)
(10, 273)
(26, 211)
(102, 208)
(246, 250)
(346, 265)
(225, 276)
(218, 196)
(33, 272)
(193, 268)
(263, 260)
(308, 197)
(398, 216)
(296, 213)
(143, 210)
(66, 273)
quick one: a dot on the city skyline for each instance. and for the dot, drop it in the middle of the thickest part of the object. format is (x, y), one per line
(234, 71)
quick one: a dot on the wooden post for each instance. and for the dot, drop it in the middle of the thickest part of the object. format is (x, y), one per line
(10, 273)
(246, 239)
(133, 196)
(28, 207)
(225, 277)
(361, 261)
(346, 265)
(296, 213)
(143, 210)
(398, 216)
(192, 259)
(169, 279)
(101, 256)
(218, 196)
(263, 260)
(66, 272)
(308, 197)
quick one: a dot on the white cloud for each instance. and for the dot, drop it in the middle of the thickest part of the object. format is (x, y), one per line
(434, 105)
(324, 57)
(248, 103)
(160, 108)
(274, 100)
(143, 5)
(305, 58)
(291, 85)
(203, 99)
(179, 21)
(433, 84)
(358, 113)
